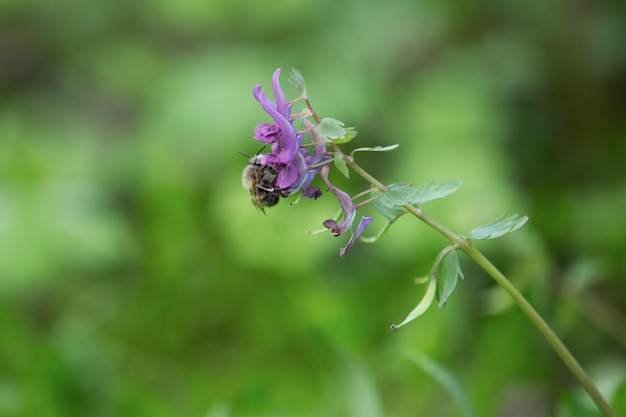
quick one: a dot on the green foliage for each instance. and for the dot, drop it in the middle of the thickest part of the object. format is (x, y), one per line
(448, 274)
(297, 81)
(499, 227)
(391, 213)
(433, 191)
(446, 379)
(571, 405)
(441, 283)
(619, 398)
(422, 306)
(349, 134)
(404, 193)
(399, 194)
(335, 131)
(340, 164)
(375, 149)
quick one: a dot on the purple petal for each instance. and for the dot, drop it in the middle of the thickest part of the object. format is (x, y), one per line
(307, 190)
(287, 176)
(311, 192)
(260, 96)
(349, 210)
(299, 173)
(286, 137)
(365, 221)
(319, 146)
(266, 132)
(281, 104)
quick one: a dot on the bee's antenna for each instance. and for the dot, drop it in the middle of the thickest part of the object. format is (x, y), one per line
(255, 155)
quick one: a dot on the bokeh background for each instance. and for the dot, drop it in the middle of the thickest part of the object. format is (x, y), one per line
(136, 279)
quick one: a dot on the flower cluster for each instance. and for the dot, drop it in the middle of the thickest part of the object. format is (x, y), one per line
(294, 166)
(294, 163)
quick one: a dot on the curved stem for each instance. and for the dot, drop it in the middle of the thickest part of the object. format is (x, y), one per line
(466, 246)
(543, 327)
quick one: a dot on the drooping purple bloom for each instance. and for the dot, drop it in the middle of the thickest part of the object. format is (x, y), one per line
(348, 207)
(365, 221)
(349, 213)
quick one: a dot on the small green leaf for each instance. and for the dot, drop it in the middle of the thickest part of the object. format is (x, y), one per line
(421, 307)
(296, 80)
(448, 276)
(375, 149)
(362, 393)
(340, 164)
(499, 227)
(445, 379)
(619, 399)
(399, 194)
(390, 213)
(333, 130)
(349, 134)
(433, 191)
(571, 405)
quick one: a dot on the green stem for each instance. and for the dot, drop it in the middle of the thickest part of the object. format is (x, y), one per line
(543, 327)
(466, 246)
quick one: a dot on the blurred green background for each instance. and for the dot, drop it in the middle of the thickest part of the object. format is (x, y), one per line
(136, 279)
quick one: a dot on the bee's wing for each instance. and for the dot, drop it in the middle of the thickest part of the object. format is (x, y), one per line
(257, 201)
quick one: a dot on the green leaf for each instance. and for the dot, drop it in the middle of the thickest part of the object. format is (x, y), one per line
(375, 149)
(332, 129)
(421, 307)
(390, 213)
(433, 191)
(296, 80)
(619, 399)
(572, 405)
(445, 379)
(447, 276)
(499, 227)
(340, 164)
(350, 133)
(399, 194)
(362, 392)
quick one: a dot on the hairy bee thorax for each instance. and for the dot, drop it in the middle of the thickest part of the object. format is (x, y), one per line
(258, 178)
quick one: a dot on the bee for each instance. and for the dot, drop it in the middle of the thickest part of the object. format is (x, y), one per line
(258, 179)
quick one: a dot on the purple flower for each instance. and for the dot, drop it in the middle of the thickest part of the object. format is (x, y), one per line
(317, 157)
(266, 132)
(365, 221)
(349, 213)
(290, 161)
(292, 166)
(349, 209)
(281, 134)
(319, 145)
